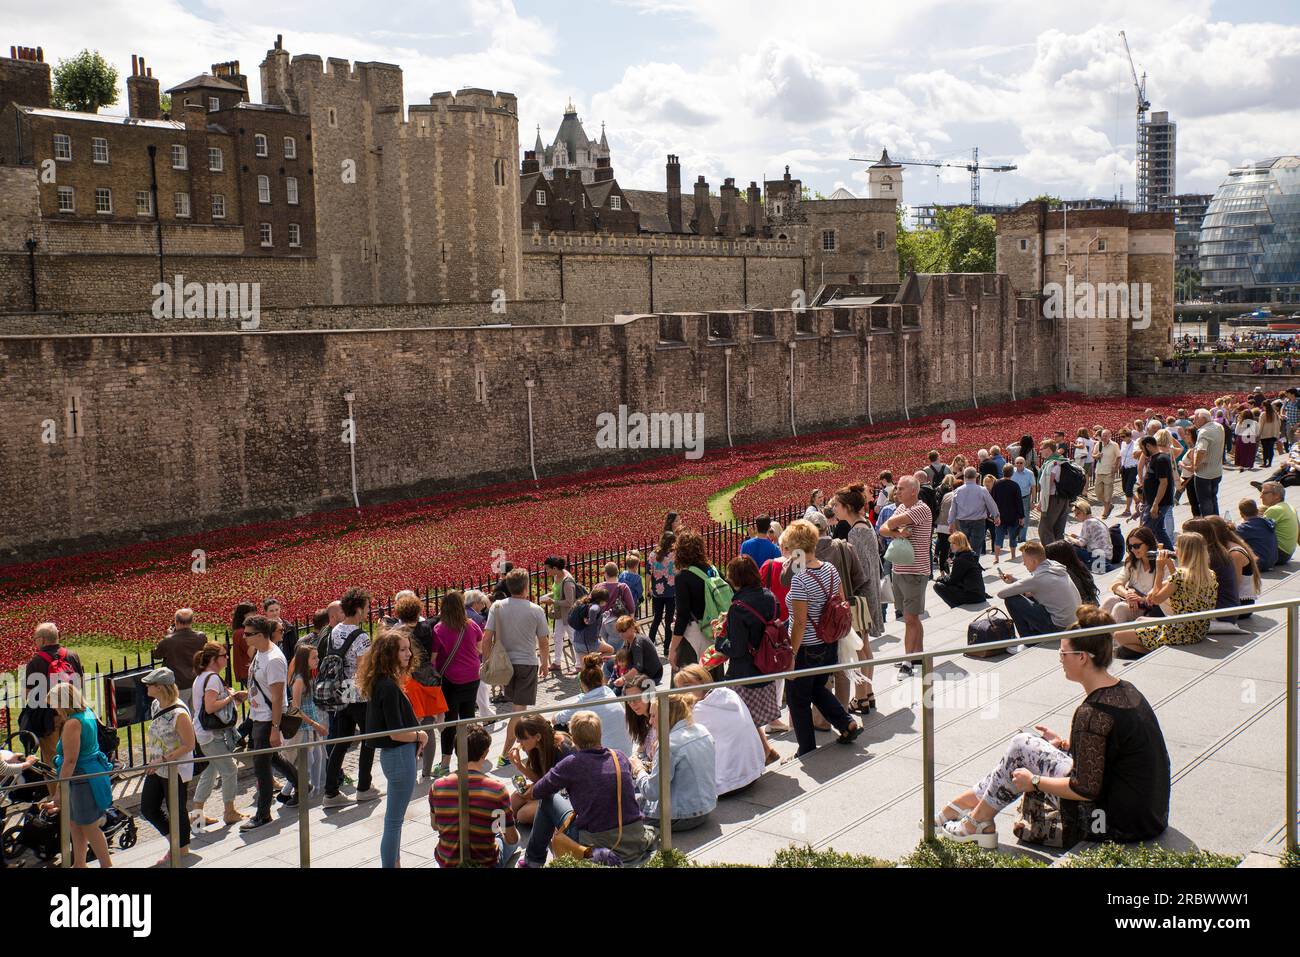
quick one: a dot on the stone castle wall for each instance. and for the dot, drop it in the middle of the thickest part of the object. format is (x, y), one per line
(175, 428)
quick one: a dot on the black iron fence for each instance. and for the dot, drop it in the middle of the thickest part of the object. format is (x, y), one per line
(120, 701)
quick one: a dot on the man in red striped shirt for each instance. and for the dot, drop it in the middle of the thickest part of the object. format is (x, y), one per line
(492, 832)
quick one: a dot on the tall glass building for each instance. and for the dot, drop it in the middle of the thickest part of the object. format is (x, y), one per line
(1250, 237)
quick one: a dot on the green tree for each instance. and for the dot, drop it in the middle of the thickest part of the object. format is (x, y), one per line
(1051, 201)
(960, 242)
(84, 83)
(165, 102)
(1187, 283)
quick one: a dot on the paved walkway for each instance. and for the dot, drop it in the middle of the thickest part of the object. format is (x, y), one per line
(1220, 704)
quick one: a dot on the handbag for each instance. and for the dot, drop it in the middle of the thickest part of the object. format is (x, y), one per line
(431, 678)
(1040, 820)
(886, 591)
(211, 721)
(290, 718)
(497, 671)
(900, 552)
(992, 625)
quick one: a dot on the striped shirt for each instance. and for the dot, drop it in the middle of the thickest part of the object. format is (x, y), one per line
(918, 533)
(814, 585)
(489, 815)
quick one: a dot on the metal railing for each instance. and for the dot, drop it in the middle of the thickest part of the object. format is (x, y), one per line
(1291, 760)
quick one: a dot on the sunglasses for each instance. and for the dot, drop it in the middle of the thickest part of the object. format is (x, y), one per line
(1137, 544)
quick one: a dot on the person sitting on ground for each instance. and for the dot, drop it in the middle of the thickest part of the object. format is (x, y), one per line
(692, 752)
(594, 777)
(1065, 554)
(721, 711)
(537, 749)
(964, 585)
(1093, 541)
(1045, 601)
(760, 548)
(493, 835)
(1129, 597)
(1221, 563)
(1110, 778)
(636, 717)
(1283, 517)
(1242, 558)
(643, 659)
(1188, 585)
(600, 698)
(1257, 532)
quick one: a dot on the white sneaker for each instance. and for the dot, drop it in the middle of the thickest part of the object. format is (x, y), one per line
(198, 822)
(336, 800)
(370, 794)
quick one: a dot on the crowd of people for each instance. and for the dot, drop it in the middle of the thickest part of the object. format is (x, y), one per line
(587, 781)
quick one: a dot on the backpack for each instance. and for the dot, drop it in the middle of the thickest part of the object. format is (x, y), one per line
(717, 599)
(1069, 482)
(1116, 545)
(331, 675)
(937, 472)
(577, 617)
(60, 668)
(774, 653)
(616, 605)
(584, 632)
(836, 616)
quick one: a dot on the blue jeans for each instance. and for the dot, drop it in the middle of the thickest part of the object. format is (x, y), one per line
(550, 812)
(1030, 617)
(1023, 530)
(399, 769)
(975, 532)
(1207, 494)
(1157, 526)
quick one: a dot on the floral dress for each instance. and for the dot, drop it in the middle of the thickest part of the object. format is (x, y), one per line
(1183, 601)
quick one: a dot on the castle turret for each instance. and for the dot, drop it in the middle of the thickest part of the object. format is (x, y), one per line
(674, 172)
(142, 99)
(885, 179)
(277, 82)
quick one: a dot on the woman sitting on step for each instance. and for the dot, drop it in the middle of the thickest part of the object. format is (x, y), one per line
(1108, 781)
(964, 584)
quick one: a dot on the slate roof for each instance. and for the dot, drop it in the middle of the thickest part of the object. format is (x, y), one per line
(205, 81)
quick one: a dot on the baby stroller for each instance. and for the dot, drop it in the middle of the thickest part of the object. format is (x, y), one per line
(37, 830)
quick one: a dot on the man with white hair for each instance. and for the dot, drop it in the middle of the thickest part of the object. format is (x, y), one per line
(1207, 462)
(912, 521)
(178, 649)
(50, 664)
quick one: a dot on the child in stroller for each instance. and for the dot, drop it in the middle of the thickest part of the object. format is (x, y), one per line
(37, 827)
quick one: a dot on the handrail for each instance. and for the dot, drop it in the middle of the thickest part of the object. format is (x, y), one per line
(927, 659)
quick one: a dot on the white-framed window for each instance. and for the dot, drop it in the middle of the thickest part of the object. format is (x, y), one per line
(214, 104)
(616, 202)
(1101, 245)
(295, 235)
(218, 206)
(98, 150)
(62, 146)
(216, 159)
(541, 197)
(263, 189)
(143, 202)
(180, 157)
(259, 144)
(265, 231)
(290, 148)
(181, 205)
(828, 240)
(67, 200)
(103, 200)
(291, 189)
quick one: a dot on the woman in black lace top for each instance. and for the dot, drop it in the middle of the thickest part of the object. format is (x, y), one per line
(1109, 778)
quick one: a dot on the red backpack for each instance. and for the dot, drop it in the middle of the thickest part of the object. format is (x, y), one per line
(833, 623)
(774, 653)
(60, 668)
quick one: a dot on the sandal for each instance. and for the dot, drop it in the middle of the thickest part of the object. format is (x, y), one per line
(773, 756)
(985, 833)
(863, 705)
(941, 819)
(851, 735)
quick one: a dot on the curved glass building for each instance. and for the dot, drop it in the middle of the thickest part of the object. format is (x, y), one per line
(1250, 237)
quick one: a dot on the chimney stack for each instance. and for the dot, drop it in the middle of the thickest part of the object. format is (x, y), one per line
(727, 224)
(674, 194)
(530, 164)
(25, 77)
(142, 95)
(604, 172)
(754, 198)
(229, 71)
(703, 222)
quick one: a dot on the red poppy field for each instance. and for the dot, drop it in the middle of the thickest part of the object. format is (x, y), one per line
(131, 593)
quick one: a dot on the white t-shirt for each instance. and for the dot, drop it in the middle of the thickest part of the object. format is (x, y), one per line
(163, 736)
(739, 756)
(267, 668)
(207, 681)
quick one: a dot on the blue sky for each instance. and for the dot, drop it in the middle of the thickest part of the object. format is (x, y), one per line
(742, 87)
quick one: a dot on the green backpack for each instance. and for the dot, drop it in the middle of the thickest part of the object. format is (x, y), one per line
(717, 599)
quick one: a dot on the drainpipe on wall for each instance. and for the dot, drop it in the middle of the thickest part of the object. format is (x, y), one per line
(349, 397)
(727, 393)
(906, 412)
(793, 431)
(870, 420)
(31, 267)
(157, 213)
(973, 398)
(532, 462)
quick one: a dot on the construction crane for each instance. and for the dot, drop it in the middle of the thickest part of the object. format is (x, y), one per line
(1143, 150)
(973, 167)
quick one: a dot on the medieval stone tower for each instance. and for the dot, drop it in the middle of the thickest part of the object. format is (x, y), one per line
(411, 208)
